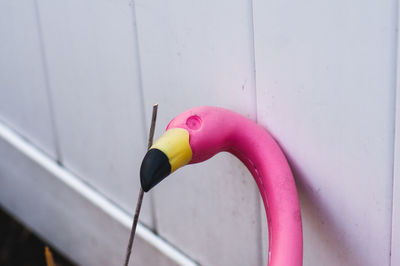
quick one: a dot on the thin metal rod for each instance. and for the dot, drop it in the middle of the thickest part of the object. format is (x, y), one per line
(153, 125)
(141, 192)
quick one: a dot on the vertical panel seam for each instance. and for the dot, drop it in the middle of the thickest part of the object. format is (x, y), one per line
(396, 136)
(54, 131)
(139, 68)
(140, 89)
(255, 104)
(253, 57)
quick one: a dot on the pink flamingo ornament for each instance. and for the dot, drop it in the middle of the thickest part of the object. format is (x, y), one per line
(199, 133)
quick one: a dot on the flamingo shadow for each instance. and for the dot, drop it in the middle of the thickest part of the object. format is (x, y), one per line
(323, 222)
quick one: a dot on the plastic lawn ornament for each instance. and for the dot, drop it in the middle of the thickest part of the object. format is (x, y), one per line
(199, 133)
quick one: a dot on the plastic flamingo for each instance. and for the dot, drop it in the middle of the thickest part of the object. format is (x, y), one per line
(199, 133)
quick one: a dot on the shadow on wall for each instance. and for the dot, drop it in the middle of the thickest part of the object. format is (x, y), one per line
(318, 218)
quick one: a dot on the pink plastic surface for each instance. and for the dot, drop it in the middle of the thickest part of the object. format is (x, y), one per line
(212, 130)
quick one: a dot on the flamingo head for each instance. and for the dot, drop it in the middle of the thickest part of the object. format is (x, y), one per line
(192, 137)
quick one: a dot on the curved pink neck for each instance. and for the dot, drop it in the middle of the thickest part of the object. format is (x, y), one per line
(224, 130)
(256, 148)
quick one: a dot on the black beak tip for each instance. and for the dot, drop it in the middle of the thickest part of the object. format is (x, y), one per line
(144, 182)
(155, 167)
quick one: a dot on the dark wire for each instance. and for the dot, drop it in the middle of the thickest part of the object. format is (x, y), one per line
(141, 192)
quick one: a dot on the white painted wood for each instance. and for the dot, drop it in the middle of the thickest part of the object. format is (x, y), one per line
(72, 216)
(24, 103)
(264, 233)
(94, 77)
(325, 88)
(395, 244)
(200, 53)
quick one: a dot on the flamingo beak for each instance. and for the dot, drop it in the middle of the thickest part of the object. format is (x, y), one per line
(170, 152)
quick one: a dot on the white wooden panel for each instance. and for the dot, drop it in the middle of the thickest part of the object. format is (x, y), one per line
(325, 88)
(70, 215)
(94, 77)
(24, 103)
(395, 245)
(200, 53)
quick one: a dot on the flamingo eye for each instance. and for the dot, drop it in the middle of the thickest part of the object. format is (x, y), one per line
(193, 122)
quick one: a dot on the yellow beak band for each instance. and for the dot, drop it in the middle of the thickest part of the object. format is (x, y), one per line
(174, 143)
(171, 151)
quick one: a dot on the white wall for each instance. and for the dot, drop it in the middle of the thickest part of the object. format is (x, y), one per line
(77, 83)
(24, 99)
(95, 86)
(326, 89)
